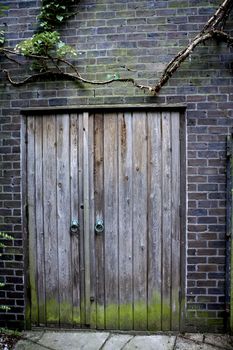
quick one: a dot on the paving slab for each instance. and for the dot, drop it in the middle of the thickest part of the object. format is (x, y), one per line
(79, 340)
(221, 340)
(195, 336)
(65, 341)
(183, 343)
(117, 341)
(28, 345)
(34, 336)
(153, 342)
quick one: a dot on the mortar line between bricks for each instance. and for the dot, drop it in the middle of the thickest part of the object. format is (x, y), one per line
(202, 342)
(106, 340)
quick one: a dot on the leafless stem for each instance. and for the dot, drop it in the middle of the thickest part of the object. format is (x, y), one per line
(218, 15)
(72, 77)
(72, 66)
(208, 32)
(12, 59)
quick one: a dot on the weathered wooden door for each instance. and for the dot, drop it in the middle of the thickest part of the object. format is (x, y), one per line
(118, 175)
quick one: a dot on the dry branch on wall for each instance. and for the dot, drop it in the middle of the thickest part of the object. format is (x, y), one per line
(213, 29)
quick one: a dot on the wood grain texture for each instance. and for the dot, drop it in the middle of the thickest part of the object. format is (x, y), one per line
(154, 221)
(175, 219)
(140, 220)
(40, 219)
(123, 168)
(92, 223)
(86, 222)
(125, 139)
(50, 221)
(81, 218)
(167, 224)
(32, 219)
(25, 218)
(99, 213)
(75, 201)
(230, 185)
(111, 220)
(63, 218)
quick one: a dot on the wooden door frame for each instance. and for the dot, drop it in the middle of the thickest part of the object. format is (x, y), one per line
(229, 235)
(105, 108)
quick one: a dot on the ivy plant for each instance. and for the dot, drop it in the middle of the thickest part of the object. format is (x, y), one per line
(45, 44)
(4, 236)
(3, 8)
(55, 12)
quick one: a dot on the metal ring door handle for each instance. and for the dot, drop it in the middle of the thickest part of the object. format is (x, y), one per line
(99, 226)
(74, 227)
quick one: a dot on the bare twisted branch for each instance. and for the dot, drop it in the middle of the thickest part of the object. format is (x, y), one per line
(211, 30)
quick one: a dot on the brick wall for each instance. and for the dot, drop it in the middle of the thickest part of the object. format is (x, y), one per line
(134, 38)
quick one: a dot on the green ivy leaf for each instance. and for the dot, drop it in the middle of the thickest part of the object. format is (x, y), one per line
(60, 44)
(4, 235)
(60, 18)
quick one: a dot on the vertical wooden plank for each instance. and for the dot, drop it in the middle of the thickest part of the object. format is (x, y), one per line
(228, 292)
(63, 219)
(231, 276)
(50, 222)
(32, 219)
(86, 215)
(230, 225)
(166, 218)
(111, 219)
(26, 237)
(99, 213)
(175, 222)
(183, 230)
(154, 221)
(81, 218)
(74, 215)
(125, 221)
(140, 220)
(40, 219)
(92, 223)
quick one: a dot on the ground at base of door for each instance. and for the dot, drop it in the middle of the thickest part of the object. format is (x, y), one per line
(47, 340)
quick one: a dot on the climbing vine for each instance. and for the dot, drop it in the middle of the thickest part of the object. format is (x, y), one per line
(49, 55)
(46, 45)
(4, 237)
(2, 33)
(53, 13)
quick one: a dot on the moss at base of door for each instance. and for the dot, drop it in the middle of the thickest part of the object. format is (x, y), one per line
(56, 313)
(154, 316)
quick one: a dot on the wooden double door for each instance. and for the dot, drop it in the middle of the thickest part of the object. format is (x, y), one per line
(103, 197)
